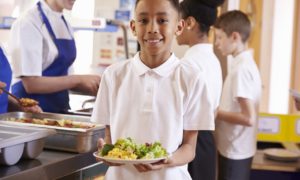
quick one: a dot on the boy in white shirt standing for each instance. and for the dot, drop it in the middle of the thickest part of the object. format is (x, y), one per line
(154, 97)
(236, 121)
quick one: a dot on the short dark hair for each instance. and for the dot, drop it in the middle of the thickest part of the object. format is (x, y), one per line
(175, 4)
(204, 11)
(234, 21)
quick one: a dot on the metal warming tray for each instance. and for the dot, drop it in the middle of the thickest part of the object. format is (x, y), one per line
(66, 139)
(18, 142)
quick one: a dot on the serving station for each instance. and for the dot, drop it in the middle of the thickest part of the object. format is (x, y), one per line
(278, 154)
(62, 146)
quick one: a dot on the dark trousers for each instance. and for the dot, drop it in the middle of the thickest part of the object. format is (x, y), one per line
(230, 169)
(203, 167)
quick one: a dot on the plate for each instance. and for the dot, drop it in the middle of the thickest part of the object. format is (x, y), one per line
(280, 154)
(129, 161)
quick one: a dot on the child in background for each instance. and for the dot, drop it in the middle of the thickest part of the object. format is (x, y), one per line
(154, 97)
(297, 104)
(236, 122)
(199, 16)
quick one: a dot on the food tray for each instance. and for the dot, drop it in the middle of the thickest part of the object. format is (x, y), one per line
(67, 139)
(21, 142)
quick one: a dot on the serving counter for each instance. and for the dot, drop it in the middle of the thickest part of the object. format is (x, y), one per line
(264, 168)
(52, 164)
(262, 163)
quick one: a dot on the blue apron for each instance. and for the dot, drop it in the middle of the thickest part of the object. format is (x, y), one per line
(5, 76)
(58, 101)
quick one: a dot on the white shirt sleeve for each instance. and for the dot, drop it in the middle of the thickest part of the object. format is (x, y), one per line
(26, 49)
(199, 113)
(101, 110)
(243, 84)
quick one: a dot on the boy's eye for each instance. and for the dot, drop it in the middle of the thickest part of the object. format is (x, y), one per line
(162, 21)
(143, 21)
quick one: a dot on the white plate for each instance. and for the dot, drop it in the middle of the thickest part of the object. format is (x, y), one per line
(128, 161)
(281, 154)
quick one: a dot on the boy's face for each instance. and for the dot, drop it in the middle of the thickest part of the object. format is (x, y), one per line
(155, 24)
(224, 43)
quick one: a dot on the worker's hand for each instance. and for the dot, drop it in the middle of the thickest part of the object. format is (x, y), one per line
(88, 84)
(2, 85)
(33, 109)
(100, 145)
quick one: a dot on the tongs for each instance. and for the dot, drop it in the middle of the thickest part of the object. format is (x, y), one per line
(24, 102)
(15, 97)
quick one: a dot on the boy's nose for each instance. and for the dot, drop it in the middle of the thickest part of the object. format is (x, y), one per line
(152, 27)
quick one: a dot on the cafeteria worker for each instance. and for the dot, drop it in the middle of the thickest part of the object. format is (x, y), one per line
(7, 102)
(42, 49)
(5, 80)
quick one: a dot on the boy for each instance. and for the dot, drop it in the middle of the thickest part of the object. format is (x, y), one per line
(297, 104)
(154, 97)
(238, 111)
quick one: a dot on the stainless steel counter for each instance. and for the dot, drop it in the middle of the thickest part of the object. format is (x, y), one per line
(48, 165)
(57, 164)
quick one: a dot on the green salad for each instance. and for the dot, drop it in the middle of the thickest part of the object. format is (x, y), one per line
(128, 149)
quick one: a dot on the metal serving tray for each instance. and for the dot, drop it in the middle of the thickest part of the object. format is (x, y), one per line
(66, 139)
(17, 142)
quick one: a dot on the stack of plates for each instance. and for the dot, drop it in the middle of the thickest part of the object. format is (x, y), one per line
(280, 154)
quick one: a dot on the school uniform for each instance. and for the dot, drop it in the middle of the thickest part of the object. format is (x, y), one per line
(42, 44)
(203, 58)
(151, 105)
(5, 76)
(236, 143)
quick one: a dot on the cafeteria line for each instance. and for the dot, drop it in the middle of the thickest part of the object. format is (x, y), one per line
(55, 52)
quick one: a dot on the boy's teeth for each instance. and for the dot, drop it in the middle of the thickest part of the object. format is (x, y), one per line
(153, 41)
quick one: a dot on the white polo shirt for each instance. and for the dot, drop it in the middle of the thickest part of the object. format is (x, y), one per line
(152, 105)
(243, 80)
(31, 48)
(203, 57)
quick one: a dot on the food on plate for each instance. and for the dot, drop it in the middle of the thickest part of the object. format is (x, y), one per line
(128, 149)
(53, 122)
(27, 102)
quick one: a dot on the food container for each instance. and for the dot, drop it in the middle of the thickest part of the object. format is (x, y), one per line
(77, 140)
(17, 142)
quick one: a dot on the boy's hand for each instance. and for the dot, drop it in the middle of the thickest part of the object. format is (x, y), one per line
(297, 103)
(154, 166)
(100, 145)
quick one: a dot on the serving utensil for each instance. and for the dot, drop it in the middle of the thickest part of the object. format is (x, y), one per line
(24, 102)
(10, 94)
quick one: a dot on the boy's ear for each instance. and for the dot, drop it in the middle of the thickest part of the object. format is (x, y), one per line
(236, 36)
(180, 26)
(132, 27)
